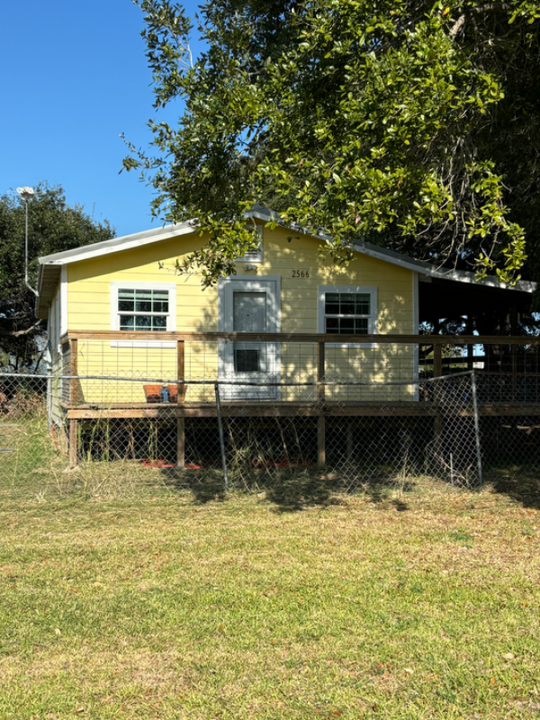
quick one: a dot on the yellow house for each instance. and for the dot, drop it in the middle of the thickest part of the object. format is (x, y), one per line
(126, 302)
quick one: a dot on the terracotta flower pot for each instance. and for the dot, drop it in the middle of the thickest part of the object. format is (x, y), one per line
(152, 393)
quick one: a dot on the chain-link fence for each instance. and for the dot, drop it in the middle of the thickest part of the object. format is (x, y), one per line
(464, 429)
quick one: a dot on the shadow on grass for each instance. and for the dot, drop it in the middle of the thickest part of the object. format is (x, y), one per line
(520, 483)
(288, 489)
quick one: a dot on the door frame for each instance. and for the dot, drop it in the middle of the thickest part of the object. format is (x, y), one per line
(269, 284)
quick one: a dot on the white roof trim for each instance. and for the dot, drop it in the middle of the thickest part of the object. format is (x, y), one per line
(106, 247)
(259, 212)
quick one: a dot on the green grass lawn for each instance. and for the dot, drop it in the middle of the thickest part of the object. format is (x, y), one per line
(423, 604)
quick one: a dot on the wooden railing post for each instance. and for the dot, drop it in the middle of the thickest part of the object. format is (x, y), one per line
(321, 420)
(181, 371)
(73, 372)
(180, 419)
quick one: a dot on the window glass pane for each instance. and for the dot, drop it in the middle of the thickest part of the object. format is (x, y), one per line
(125, 300)
(143, 300)
(346, 325)
(160, 322)
(361, 326)
(332, 325)
(346, 304)
(143, 322)
(331, 305)
(126, 322)
(161, 305)
(362, 304)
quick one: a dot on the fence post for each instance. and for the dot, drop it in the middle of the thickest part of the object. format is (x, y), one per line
(476, 428)
(180, 398)
(73, 450)
(321, 420)
(73, 424)
(437, 372)
(221, 438)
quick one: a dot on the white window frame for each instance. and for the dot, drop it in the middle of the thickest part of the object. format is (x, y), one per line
(372, 319)
(255, 256)
(115, 314)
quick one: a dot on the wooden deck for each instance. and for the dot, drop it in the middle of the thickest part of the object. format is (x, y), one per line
(247, 408)
(507, 355)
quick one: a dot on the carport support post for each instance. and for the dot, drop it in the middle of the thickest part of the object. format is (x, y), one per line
(180, 419)
(321, 420)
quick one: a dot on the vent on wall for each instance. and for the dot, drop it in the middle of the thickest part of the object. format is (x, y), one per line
(254, 255)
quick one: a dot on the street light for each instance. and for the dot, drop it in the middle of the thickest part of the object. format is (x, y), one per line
(26, 193)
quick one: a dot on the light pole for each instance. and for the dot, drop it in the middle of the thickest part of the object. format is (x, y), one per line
(27, 193)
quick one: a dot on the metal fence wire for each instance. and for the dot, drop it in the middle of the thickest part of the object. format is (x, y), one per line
(447, 428)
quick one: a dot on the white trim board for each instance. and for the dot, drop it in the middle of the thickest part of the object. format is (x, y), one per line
(63, 301)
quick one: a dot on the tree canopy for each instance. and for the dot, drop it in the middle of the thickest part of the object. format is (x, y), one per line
(53, 226)
(414, 125)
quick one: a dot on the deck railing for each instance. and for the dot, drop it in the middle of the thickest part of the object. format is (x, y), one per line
(314, 377)
(302, 356)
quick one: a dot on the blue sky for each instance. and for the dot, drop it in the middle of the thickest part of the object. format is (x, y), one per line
(73, 77)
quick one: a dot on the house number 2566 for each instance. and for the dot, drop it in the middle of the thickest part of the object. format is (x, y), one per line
(300, 274)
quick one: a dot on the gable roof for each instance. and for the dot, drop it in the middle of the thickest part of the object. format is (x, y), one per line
(50, 265)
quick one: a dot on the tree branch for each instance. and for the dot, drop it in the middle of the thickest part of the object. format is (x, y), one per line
(19, 333)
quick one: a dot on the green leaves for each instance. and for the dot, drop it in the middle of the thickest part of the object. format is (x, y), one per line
(53, 226)
(362, 119)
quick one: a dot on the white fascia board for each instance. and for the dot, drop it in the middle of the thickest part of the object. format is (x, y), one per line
(114, 245)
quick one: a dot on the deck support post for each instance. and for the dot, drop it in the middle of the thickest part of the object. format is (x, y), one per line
(350, 444)
(321, 441)
(180, 441)
(180, 419)
(321, 420)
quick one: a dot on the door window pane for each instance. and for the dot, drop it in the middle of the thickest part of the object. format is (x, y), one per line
(247, 360)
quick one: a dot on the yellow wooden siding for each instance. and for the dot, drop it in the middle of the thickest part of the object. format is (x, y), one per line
(89, 283)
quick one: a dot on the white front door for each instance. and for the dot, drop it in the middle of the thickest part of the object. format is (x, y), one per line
(250, 306)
